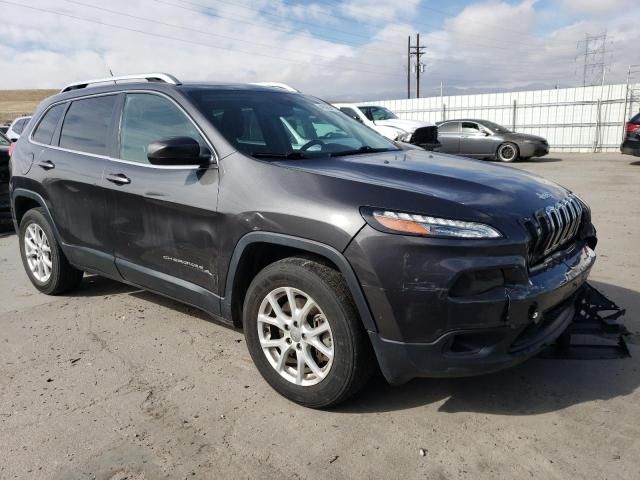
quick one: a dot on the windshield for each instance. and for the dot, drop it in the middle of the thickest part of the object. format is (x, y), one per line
(378, 113)
(280, 124)
(495, 128)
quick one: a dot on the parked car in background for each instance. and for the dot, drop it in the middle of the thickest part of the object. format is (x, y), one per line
(5, 204)
(16, 128)
(387, 123)
(631, 143)
(484, 139)
(335, 257)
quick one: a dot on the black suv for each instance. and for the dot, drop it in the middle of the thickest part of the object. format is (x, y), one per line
(336, 251)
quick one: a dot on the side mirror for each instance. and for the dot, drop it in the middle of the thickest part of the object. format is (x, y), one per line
(175, 151)
(357, 118)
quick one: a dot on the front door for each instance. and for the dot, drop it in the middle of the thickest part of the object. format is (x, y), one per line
(163, 217)
(476, 140)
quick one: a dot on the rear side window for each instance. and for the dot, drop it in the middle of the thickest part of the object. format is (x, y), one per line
(19, 126)
(636, 119)
(44, 131)
(86, 125)
(148, 118)
(450, 127)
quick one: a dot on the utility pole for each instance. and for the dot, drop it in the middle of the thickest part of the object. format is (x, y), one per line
(416, 51)
(409, 68)
(595, 55)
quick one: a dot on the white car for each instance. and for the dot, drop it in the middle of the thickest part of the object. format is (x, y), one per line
(387, 124)
(17, 127)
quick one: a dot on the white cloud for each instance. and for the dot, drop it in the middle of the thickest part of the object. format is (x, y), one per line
(487, 45)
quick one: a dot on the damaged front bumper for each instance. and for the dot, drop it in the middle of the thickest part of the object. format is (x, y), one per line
(431, 323)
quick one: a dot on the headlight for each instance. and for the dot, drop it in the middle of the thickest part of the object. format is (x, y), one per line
(427, 226)
(532, 141)
(404, 137)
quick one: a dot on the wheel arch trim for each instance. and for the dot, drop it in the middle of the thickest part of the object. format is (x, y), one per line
(25, 193)
(307, 245)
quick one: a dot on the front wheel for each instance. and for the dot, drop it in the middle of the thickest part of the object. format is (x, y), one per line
(304, 334)
(508, 152)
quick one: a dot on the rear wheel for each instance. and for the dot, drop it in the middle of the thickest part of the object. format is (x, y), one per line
(304, 334)
(508, 152)
(43, 260)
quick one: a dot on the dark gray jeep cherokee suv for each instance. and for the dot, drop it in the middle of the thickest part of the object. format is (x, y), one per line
(335, 251)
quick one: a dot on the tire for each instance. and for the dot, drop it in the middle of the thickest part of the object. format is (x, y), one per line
(508, 152)
(50, 272)
(337, 375)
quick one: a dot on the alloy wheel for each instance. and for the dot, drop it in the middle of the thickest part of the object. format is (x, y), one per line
(38, 252)
(295, 336)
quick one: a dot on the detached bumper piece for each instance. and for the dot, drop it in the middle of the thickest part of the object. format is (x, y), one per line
(594, 332)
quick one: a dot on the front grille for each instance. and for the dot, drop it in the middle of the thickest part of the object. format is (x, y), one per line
(554, 226)
(424, 135)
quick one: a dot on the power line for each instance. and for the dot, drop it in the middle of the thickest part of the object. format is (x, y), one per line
(182, 40)
(212, 12)
(202, 32)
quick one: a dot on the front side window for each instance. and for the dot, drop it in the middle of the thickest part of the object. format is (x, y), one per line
(86, 125)
(47, 126)
(378, 113)
(470, 128)
(147, 118)
(278, 124)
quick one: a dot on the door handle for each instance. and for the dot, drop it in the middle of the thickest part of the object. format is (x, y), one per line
(46, 164)
(118, 178)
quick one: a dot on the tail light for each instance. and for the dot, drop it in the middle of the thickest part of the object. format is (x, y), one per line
(12, 148)
(632, 128)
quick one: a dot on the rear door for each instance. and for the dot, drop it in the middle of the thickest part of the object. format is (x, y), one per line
(163, 217)
(70, 157)
(449, 137)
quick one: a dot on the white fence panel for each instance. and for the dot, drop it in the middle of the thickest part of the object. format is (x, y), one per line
(582, 119)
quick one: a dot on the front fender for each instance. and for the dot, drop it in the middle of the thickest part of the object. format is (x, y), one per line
(317, 248)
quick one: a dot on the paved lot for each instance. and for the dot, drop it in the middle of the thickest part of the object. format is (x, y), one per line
(113, 383)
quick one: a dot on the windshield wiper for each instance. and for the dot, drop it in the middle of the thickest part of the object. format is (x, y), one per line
(359, 151)
(286, 156)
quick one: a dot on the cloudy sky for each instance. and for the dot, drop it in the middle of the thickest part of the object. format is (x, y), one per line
(336, 49)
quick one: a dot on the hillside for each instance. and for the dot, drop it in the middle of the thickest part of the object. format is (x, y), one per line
(14, 103)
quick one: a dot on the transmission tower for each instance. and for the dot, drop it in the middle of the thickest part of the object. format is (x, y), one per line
(595, 54)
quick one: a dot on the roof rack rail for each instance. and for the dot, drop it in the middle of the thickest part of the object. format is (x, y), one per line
(283, 86)
(149, 77)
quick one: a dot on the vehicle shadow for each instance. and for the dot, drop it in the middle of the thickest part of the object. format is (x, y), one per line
(98, 286)
(537, 386)
(637, 163)
(543, 160)
(7, 233)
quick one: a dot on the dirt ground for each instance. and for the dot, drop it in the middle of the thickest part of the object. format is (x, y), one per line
(114, 383)
(16, 103)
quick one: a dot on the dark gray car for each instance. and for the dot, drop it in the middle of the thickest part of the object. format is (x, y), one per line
(484, 139)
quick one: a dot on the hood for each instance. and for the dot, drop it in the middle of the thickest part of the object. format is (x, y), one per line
(486, 188)
(408, 126)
